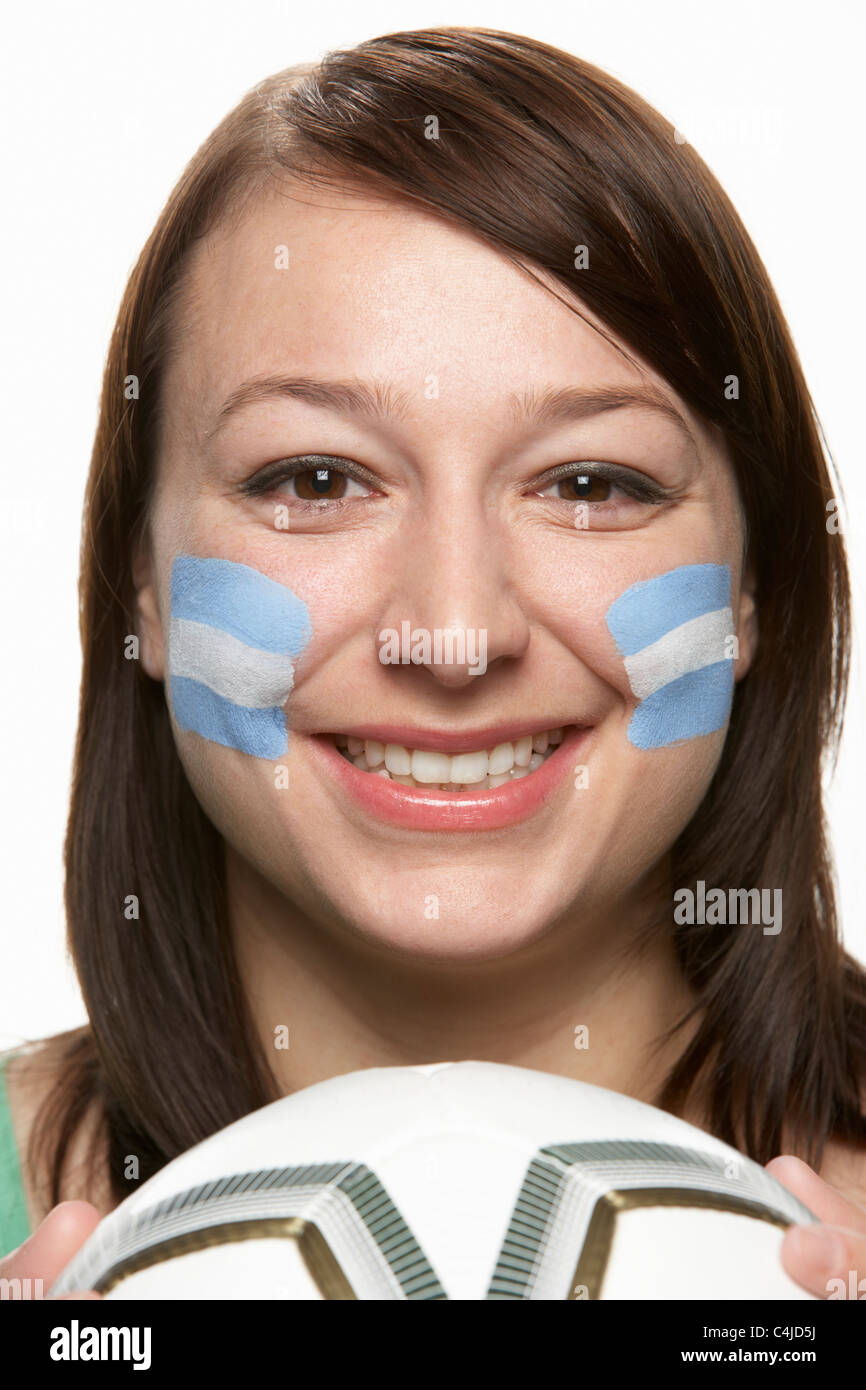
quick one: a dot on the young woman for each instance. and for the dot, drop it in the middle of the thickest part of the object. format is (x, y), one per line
(450, 334)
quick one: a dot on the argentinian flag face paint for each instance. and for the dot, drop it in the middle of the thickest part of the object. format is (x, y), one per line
(233, 638)
(674, 633)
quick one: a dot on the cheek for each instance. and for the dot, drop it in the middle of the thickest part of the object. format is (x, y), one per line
(666, 645)
(234, 637)
(675, 634)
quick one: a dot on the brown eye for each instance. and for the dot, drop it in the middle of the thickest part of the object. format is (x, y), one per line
(584, 487)
(320, 484)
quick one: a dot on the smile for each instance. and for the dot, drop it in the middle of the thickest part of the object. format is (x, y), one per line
(469, 771)
(436, 781)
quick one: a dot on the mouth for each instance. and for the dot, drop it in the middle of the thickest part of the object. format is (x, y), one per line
(470, 770)
(435, 781)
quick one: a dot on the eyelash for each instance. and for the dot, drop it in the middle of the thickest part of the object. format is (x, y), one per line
(635, 485)
(269, 478)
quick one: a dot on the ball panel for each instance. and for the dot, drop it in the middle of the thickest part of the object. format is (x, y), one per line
(253, 1270)
(680, 1253)
(357, 1242)
(572, 1194)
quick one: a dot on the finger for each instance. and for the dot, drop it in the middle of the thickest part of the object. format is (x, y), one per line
(816, 1256)
(823, 1200)
(51, 1246)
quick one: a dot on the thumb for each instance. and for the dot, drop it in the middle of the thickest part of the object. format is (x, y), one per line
(51, 1246)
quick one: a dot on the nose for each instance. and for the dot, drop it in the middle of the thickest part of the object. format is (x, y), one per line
(454, 605)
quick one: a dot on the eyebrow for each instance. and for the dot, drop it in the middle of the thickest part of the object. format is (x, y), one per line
(377, 400)
(555, 404)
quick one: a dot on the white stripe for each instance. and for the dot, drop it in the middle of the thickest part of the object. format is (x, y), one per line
(245, 675)
(689, 647)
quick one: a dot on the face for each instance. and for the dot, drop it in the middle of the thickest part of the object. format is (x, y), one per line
(458, 551)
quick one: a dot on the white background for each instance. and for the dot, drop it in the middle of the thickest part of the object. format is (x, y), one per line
(103, 107)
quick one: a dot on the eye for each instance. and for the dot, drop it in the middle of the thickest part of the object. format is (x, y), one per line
(582, 487)
(311, 478)
(599, 483)
(323, 484)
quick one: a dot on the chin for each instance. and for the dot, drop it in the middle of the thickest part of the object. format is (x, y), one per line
(448, 916)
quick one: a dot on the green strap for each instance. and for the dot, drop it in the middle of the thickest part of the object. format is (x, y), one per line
(14, 1221)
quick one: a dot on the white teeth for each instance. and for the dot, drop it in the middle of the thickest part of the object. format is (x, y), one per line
(374, 752)
(523, 751)
(501, 759)
(419, 767)
(431, 767)
(469, 768)
(398, 760)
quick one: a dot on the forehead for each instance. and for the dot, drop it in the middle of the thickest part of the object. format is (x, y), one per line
(338, 283)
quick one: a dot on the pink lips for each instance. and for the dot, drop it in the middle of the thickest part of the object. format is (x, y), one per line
(491, 809)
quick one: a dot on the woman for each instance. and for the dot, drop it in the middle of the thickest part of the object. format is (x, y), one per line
(450, 364)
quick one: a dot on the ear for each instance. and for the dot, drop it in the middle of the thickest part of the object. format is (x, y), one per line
(148, 620)
(747, 623)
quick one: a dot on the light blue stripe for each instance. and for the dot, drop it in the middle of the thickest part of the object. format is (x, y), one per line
(240, 600)
(652, 607)
(696, 703)
(261, 732)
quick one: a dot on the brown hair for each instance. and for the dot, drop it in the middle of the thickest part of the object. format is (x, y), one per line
(537, 152)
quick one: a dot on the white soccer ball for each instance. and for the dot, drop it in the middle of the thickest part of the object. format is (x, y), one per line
(458, 1180)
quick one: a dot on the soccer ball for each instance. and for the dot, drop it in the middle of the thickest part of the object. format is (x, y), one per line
(457, 1180)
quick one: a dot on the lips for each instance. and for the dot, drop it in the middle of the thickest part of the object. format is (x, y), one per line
(471, 769)
(518, 791)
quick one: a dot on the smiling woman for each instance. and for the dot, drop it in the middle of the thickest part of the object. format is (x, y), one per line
(449, 336)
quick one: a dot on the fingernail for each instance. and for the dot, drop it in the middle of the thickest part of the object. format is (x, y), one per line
(823, 1248)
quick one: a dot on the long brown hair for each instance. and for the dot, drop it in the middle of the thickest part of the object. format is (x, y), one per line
(536, 152)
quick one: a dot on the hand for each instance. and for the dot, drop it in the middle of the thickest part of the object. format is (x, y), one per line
(46, 1253)
(828, 1260)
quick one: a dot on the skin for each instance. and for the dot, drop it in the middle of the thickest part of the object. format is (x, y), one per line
(328, 904)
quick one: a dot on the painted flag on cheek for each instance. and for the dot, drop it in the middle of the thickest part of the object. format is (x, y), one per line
(233, 639)
(673, 633)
